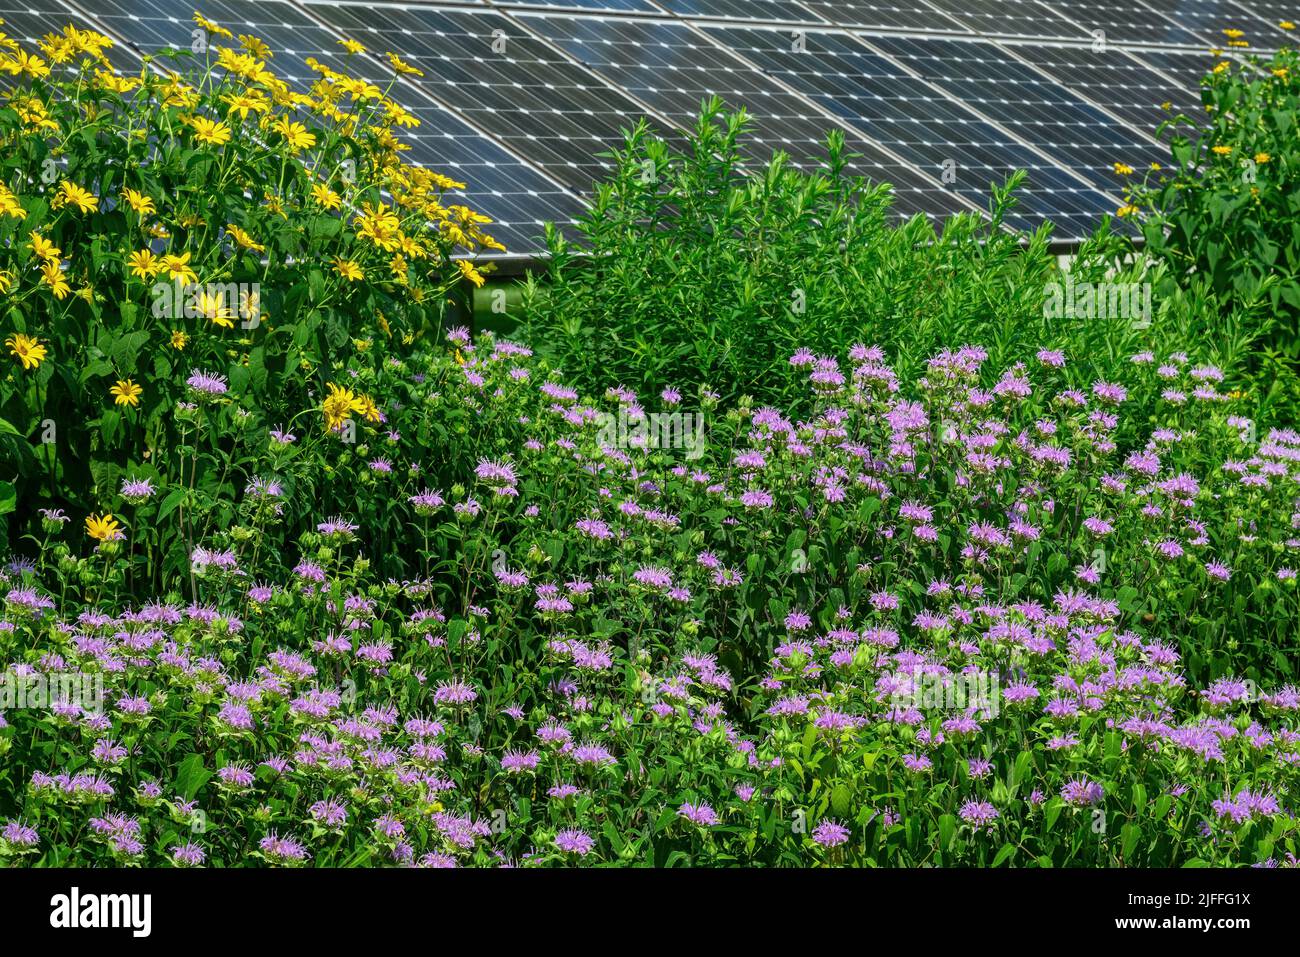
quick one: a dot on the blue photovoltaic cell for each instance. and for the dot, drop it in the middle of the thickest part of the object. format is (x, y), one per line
(591, 6)
(764, 10)
(517, 197)
(673, 68)
(1209, 18)
(933, 132)
(1115, 80)
(889, 14)
(538, 102)
(1125, 21)
(1038, 111)
(1015, 18)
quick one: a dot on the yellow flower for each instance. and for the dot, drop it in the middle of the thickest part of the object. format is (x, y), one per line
(104, 529)
(401, 67)
(244, 239)
(1126, 210)
(9, 204)
(22, 62)
(126, 392)
(27, 349)
(396, 113)
(141, 203)
(352, 46)
(83, 199)
(358, 89)
(121, 85)
(1221, 66)
(1287, 25)
(469, 272)
(255, 46)
(348, 269)
(1262, 158)
(213, 307)
(1123, 169)
(7, 279)
(52, 276)
(339, 406)
(325, 197)
(211, 27)
(179, 340)
(245, 102)
(1223, 150)
(143, 264)
(178, 268)
(1156, 166)
(295, 134)
(380, 225)
(44, 248)
(1232, 33)
(210, 131)
(366, 405)
(1281, 73)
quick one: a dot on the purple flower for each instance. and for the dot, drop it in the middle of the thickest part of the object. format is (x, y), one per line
(209, 385)
(1080, 792)
(573, 841)
(830, 833)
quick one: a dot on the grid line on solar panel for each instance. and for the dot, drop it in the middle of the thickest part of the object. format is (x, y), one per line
(915, 15)
(1112, 79)
(782, 11)
(1119, 22)
(1210, 18)
(674, 68)
(1274, 13)
(508, 83)
(1039, 112)
(1008, 18)
(1187, 67)
(518, 197)
(28, 26)
(930, 129)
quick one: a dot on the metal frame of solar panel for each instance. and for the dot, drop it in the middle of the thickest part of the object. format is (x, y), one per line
(939, 97)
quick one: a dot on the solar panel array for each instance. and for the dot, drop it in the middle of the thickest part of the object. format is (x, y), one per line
(940, 98)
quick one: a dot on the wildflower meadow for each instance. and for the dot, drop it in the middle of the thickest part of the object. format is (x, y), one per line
(302, 570)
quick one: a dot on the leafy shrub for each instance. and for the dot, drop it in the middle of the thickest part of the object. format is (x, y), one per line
(171, 240)
(1224, 215)
(611, 652)
(690, 271)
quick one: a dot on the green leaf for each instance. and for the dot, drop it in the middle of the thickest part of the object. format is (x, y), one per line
(190, 776)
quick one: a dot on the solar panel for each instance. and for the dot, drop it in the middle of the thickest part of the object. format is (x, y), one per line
(1115, 22)
(1274, 13)
(490, 70)
(1014, 18)
(517, 196)
(1209, 18)
(1118, 82)
(672, 68)
(28, 26)
(747, 10)
(932, 131)
(939, 97)
(890, 14)
(1186, 66)
(1038, 111)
